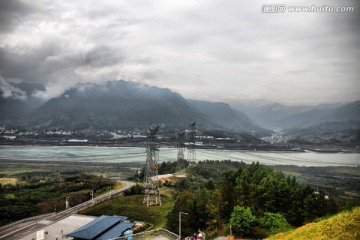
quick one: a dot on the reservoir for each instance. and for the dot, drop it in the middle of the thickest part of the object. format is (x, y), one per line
(138, 154)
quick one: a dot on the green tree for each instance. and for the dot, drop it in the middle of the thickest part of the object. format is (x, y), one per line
(227, 190)
(214, 210)
(243, 187)
(242, 219)
(185, 202)
(202, 197)
(275, 223)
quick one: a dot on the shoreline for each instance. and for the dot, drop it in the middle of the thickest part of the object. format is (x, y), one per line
(253, 148)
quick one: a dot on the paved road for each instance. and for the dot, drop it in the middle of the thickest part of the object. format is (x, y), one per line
(17, 231)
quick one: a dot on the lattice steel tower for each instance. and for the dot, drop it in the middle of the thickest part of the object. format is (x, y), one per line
(192, 140)
(152, 194)
(181, 148)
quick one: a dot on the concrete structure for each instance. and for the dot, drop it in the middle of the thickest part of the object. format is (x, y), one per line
(61, 229)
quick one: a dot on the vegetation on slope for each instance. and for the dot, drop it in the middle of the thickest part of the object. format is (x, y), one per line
(214, 190)
(133, 207)
(345, 225)
(39, 192)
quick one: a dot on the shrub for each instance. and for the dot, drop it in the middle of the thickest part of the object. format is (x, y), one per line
(242, 219)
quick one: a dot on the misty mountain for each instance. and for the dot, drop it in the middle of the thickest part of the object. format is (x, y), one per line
(14, 108)
(30, 88)
(117, 104)
(345, 113)
(122, 104)
(274, 115)
(335, 132)
(224, 116)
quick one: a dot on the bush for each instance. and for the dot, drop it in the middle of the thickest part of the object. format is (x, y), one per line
(135, 190)
(275, 223)
(242, 219)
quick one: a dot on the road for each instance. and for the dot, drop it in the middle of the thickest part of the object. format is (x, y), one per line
(20, 230)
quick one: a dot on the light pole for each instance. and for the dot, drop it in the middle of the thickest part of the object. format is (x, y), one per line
(67, 204)
(180, 222)
(92, 195)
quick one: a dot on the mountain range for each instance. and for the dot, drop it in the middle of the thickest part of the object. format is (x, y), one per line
(128, 105)
(311, 124)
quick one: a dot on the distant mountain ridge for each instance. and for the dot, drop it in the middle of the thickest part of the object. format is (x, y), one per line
(223, 115)
(123, 104)
(285, 117)
(347, 112)
(128, 105)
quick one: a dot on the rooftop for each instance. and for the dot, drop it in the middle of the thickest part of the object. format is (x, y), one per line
(104, 227)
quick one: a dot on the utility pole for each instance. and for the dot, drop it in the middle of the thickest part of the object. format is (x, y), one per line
(180, 222)
(67, 205)
(92, 195)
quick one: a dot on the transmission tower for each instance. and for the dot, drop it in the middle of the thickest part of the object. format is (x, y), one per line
(192, 140)
(152, 194)
(181, 148)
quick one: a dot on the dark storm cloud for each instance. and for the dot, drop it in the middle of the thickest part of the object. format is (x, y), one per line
(211, 50)
(11, 13)
(102, 56)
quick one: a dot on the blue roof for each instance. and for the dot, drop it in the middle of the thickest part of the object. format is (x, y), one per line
(97, 227)
(116, 231)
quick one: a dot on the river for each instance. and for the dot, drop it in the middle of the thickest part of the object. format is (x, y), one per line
(138, 154)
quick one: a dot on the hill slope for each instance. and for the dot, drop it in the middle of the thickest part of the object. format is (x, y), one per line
(285, 117)
(117, 104)
(221, 114)
(347, 112)
(123, 104)
(345, 225)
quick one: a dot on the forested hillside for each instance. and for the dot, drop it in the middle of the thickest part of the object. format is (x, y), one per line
(254, 199)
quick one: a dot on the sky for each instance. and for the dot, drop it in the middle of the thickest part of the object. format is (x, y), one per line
(233, 51)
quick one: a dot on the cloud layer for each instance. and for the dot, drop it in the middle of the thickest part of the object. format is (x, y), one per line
(211, 50)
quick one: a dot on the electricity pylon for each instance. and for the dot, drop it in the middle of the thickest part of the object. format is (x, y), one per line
(181, 148)
(152, 194)
(192, 140)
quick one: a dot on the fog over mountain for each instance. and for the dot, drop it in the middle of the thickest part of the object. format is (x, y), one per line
(204, 50)
(129, 105)
(224, 116)
(17, 100)
(123, 104)
(280, 116)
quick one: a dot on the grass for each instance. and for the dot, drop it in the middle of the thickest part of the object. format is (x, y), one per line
(155, 235)
(11, 170)
(134, 208)
(288, 173)
(11, 181)
(345, 225)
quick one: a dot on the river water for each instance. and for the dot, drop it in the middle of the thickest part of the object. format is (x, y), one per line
(138, 154)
